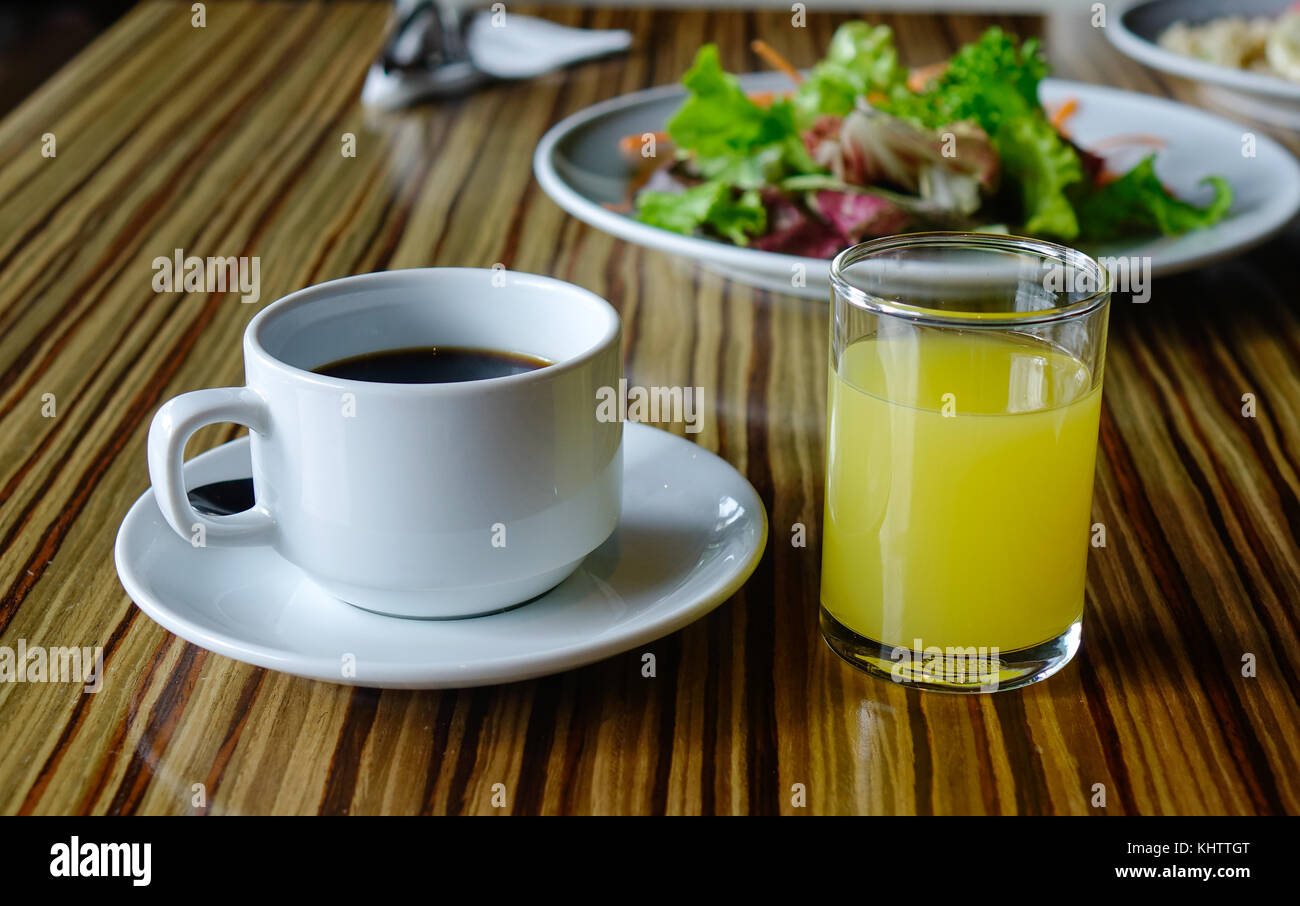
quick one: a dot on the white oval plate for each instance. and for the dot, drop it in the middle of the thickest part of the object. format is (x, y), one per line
(692, 531)
(1136, 30)
(578, 165)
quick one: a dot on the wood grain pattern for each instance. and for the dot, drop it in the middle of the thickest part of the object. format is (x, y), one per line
(226, 141)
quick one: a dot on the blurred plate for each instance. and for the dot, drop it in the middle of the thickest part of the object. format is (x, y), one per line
(579, 166)
(1140, 23)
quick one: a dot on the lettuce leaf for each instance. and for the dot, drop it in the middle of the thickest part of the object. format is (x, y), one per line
(732, 138)
(1138, 203)
(861, 60)
(715, 205)
(1044, 167)
(993, 82)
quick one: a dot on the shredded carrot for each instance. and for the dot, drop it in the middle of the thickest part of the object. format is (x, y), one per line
(877, 97)
(921, 76)
(1063, 113)
(1130, 138)
(775, 60)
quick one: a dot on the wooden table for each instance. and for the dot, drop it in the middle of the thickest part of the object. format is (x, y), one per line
(226, 140)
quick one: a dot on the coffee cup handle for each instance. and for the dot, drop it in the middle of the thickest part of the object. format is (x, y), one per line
(172, 426)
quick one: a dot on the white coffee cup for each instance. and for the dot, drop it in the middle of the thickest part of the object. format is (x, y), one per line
(418, 500)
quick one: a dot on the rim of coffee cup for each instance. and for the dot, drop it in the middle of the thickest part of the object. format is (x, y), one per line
(341, 285)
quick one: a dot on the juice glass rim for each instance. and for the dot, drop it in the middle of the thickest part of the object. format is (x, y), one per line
(967, 241)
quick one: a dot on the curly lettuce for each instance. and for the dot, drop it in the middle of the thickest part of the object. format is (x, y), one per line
(861, 61)
(994, 83)
(990, 81)
(1137, 202)
(713, 205)
(1044, 167)
(730, 137)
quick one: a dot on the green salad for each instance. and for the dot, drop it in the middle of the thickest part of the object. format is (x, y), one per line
(860, 147)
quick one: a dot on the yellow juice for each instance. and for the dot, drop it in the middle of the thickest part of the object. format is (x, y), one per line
(958, 489)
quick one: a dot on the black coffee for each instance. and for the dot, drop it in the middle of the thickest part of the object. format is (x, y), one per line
(431, 365)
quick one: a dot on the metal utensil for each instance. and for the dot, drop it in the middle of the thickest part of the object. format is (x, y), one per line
(436, 50)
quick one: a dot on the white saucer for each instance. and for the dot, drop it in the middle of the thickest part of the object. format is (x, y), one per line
(692, 531)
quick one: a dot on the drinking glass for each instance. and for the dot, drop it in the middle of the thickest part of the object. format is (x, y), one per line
(964, 398)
